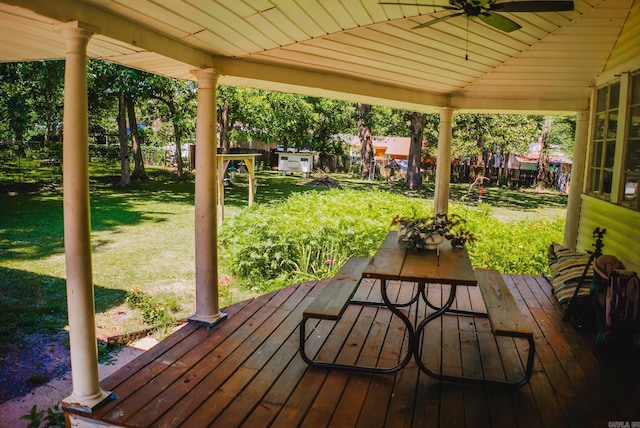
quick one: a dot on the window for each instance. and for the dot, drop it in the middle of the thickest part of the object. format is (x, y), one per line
(604, 141)
(632, 150)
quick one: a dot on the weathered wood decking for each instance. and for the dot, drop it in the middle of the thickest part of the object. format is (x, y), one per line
(247, 371)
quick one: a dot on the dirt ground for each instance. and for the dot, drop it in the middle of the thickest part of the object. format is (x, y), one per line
(38, 359)
(46, 359)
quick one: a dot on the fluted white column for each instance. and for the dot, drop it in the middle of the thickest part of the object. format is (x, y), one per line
(577, 181)
(77, 226)
(443, 162)
(206, 198)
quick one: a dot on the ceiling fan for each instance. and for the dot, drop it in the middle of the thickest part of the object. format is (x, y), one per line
(485, 10)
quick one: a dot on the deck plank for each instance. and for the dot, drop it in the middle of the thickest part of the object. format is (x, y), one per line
(247, 371)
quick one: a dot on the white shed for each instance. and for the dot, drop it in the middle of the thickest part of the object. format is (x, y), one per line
(296, 162)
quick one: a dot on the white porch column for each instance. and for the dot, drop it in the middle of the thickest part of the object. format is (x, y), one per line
(577, 181)
(443, 163)
(206, 199)
(77, 226)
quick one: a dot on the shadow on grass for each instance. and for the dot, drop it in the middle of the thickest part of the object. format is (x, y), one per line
(273, 187)
(31, 302)
(520, 199)
(31, 223)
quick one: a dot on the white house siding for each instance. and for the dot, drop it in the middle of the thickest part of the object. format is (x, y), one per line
(623, 230)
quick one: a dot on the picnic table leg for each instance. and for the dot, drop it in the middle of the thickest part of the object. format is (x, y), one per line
(417, 351)
(396, 311)
(364, 369)
(449, 310)
(446, 308)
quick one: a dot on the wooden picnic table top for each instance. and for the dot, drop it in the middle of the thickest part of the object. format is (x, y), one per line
(449, 265)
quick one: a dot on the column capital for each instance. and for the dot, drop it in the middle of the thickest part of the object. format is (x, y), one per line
(207, 77)
(76, 35)
(582, 115)
(446, 110)
(79, 27)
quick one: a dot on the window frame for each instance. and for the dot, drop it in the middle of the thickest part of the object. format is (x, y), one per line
(604, 141)
(631, 141)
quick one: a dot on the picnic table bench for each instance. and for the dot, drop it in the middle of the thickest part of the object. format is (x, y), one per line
(503, 313)
(505, 316)
(331, 303)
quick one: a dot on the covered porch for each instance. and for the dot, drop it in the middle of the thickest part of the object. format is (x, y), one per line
(247, 367)
(247, 370)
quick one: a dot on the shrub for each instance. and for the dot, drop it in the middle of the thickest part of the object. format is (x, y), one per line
(311, 235)
(156, 310)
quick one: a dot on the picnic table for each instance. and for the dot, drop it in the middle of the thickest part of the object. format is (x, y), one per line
(447, 266)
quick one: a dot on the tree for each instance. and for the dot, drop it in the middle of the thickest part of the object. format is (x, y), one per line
(330, 117)
(125, 169)
(543, 177)
(178, 97)
(414, 176)
(16, 114)
(366, 140)
(389, 121)
(561, 136)
(126, 85)
(44, 84)
(139, 172)
(227, 99)
(290, 119)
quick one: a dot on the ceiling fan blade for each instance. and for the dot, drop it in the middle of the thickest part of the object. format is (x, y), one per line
(499, 22)
(441, 6)
(533, 6)
(435, 21)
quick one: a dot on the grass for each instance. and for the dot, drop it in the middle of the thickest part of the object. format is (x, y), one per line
(143, 239)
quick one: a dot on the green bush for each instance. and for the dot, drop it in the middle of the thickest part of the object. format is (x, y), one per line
(517, 247)
(156, 310)
(311, 235)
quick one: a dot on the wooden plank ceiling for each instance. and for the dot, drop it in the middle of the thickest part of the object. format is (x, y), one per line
(351, 49)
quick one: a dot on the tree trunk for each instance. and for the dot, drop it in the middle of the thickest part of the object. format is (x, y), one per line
(178, 136)
(366, 140)
(414, 177)
(138, 170)
(125, 169)
(542, 177)
(224, 128)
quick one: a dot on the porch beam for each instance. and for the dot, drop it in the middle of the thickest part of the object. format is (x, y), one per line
(87, 393)
(241, 72)
(118, 28)
(207, 307)
(443, 162)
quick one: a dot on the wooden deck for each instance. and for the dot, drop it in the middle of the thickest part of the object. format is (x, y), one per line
(247, 371)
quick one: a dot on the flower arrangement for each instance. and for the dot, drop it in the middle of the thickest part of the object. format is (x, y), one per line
(422, 233)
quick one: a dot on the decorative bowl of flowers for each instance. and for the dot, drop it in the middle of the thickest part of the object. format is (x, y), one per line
(426, 233)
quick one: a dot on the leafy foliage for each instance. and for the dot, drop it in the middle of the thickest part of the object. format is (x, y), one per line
(53, 417)
(311, 235)
(156, 310)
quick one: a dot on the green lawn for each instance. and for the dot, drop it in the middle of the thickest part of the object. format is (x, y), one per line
(143, 240)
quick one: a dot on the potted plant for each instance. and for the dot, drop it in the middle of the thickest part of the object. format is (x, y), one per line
(426, 233)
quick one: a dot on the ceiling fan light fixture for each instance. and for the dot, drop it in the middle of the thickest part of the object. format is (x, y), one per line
(486, 10)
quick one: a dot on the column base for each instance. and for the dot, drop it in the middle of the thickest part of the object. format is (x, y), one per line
(209, 322)
(87, 405)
